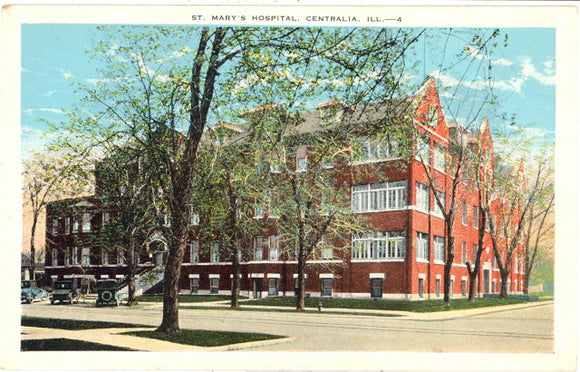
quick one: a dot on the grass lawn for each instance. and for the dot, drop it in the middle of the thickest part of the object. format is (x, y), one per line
(204, 338)
(185, 298)
(412, 306)
(72, 324)
(65, 344)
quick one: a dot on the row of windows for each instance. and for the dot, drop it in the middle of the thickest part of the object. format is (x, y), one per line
(82, 256)
(326, 286)
(438, 287)
(73, 225)
(378, 245)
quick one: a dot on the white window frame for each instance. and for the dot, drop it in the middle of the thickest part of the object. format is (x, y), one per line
(75, 256)
(475, 217)
(273, 247)
(439, 153)
(86, 222)
(215, 252)
(463, 252)
(104, 256)
(301, 159)
(54, 257)
(436, 210)
(422, 197)
(67, 225)
(422, 240)
(86, 256)
(194, 251)
(464, 213)
(258, 248)
(379, 197)
(55, 226)
(373, 149)
(378, 245)
(438, 249)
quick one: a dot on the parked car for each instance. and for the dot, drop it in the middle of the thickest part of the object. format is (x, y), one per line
(107, 292)
(65, 291)
(30, 292)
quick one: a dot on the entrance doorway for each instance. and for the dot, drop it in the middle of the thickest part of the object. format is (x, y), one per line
(486, 280)
(258, 286)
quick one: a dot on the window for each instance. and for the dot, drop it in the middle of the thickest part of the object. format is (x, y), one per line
(439, 248)
(326, 287)
(273, 247)
(436, 210)
(463, 287)
(67, 256)
(194, 251)
(86, 222)
(423, 149)
(475, 248)
(67, 225)
(86, 257)
(54, 257)
(120, 257)
(422, 246)
(215, 252)
(104, 257)
(301, 159)
(374, 148)
(475, 217)
(326, 249)
(194, 285)
(275, 165)
(75, 228)
(464, 213)
(421, 287)
(377, 287)
(273, 287)
(193, 217)
(259, 211)
(75, 256)
(463, 252)
(105, 218)
(438, 287)
(55, 226)
(422, 197)
(439, 157)
(214, 285)
(381, 196)
(378, 245)
(258, 248)
(451, 285)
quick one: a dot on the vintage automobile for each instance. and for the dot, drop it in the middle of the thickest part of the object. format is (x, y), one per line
(107, 292)
(30, 292)
(65, 291)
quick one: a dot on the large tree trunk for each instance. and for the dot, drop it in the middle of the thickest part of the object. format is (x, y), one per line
(171, 277)
(235, 302)
(131, 270)
(503, 291)
(300, 296)
(33, 248)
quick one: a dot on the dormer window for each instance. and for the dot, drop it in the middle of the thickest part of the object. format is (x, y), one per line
(330, 112)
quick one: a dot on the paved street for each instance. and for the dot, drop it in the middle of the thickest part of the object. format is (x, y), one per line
(514, 329)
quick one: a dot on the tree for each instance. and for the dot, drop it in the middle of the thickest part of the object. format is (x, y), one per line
(48, 178)
(226, 186)
(446, 180)
(126, 197)
(540, 223)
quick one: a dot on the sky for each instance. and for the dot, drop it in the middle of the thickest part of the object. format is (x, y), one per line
(523, 76)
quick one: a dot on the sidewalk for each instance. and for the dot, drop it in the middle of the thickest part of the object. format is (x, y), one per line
(113, 336)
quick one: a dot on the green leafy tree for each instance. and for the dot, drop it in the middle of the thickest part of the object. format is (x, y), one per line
(46, 178)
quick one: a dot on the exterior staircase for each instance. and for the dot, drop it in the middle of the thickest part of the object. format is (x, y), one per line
(144, 281)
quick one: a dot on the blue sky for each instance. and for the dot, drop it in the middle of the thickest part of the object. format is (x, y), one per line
(523, 76)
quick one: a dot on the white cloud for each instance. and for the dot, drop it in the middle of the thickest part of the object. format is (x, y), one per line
(530, 71)
(51, 110)
(449, 81)
(475, 53)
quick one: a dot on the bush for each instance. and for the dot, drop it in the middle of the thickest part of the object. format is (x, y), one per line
(515, 297)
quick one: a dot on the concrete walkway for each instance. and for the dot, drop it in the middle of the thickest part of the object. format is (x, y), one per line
(114, 336)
